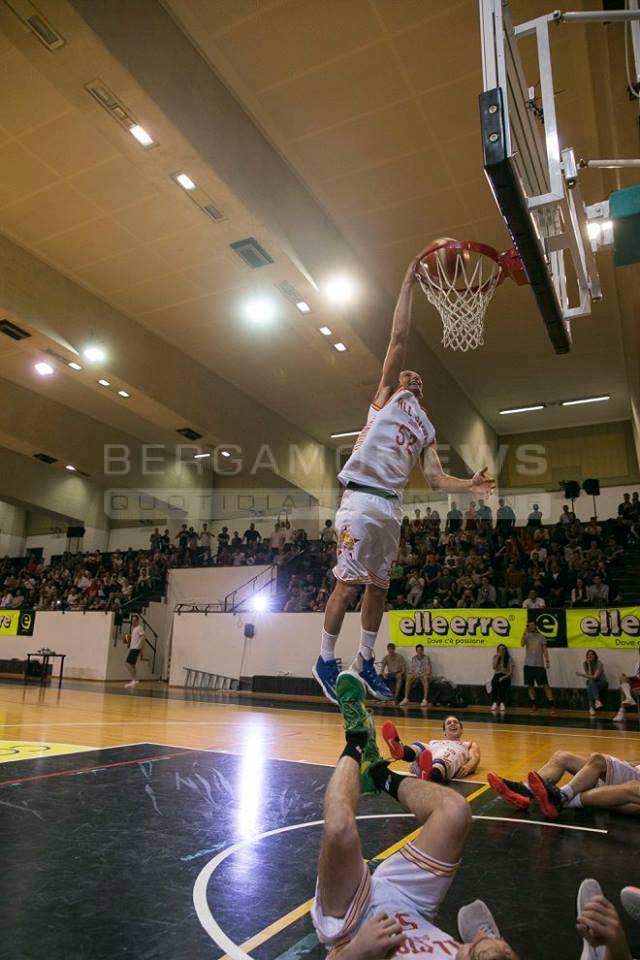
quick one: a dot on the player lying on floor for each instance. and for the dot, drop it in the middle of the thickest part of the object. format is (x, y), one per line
(362, 917)
(437, 760)
(600, 769)
(583, 790)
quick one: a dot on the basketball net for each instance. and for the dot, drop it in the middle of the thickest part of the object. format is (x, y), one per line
(461, 297)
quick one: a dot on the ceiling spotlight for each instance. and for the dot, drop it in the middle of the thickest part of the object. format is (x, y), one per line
(72, 468)
(141, 135)
(201, 456)
(259, 603)
(44, 369)
(74, 365)
(534, 406)
(94, 354)
(340, 290)
(303, 307)
(225, 453)
(104, 383)
(123, 393)
(185, 181)
(349, 433)
(339, 346)
(260, 310)
(573, 403)
(325, 331)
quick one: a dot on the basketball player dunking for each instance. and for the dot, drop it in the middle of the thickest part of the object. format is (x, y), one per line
(397, 433)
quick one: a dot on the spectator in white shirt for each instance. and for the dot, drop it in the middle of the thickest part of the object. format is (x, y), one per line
(135, 641)
(598, 592)
(7, 601)
(205, 537)
(533, 601)
(567, 516)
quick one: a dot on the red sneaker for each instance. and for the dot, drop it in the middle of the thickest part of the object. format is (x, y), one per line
(425, 763)
(512, 791)
(392, 740)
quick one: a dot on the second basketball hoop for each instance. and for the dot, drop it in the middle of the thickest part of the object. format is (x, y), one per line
(459, 277)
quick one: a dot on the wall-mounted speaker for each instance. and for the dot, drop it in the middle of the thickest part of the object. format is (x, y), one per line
(591, 487)
(75, 533)
(571, 489)
(249, 630)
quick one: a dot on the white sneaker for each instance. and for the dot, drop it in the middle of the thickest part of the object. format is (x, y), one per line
(630, 900)
(474, 917)
(494, 707)
(598, 705)
(131, 683)
(628, 703)
(502, 708)
(587, 890)
(619, 717)
(404, 702)
(424, 703)
(592, 712)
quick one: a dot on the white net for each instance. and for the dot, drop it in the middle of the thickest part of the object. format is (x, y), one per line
(460, 295)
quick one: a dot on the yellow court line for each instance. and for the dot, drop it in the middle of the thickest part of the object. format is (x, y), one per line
(283, 922)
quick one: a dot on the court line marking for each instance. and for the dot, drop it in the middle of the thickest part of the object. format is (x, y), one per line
(91, 769)
(544, 823)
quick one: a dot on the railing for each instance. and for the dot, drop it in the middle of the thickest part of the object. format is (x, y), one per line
(264, 580)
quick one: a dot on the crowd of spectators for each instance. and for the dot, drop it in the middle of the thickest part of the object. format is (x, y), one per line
(469, 560)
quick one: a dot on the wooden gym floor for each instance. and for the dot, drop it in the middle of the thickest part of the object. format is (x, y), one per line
(134, 822)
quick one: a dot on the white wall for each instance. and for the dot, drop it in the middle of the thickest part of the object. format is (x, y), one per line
(52, 544)
(288, 643)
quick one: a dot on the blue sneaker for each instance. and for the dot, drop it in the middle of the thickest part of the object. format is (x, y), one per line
(326, 673)
(374, 683)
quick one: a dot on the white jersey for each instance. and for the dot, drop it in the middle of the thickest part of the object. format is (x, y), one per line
(137, 638)
(389, 444)
(452, 753)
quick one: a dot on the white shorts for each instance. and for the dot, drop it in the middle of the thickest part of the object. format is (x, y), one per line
(620, 771)
(408, 882)
(368, 529)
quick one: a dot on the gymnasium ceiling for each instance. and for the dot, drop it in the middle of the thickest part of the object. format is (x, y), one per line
(372, 106)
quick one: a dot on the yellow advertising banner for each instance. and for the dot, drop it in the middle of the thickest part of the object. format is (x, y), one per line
(458, 628)
(615, 627)
(16, 622)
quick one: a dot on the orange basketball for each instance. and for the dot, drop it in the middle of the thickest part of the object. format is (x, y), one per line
(444, 260)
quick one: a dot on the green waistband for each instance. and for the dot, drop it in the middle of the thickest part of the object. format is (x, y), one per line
(375, 491)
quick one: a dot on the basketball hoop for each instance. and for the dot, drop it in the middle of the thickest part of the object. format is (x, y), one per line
(459, 277)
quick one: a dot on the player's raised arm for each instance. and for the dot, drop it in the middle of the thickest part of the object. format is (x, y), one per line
(439, 480)
(399, 339)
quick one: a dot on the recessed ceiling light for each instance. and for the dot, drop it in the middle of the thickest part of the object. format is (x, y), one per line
(123, 393)
(201, 456)
(71, 467)
(325, 331)
(260, 310)
(141, 135)
(303, 307)
(185, 181)
(534, 406)
(225, 453)
(339, 346)
(44, 369)
(74, 365)
(340, 290)
(94, 354)
(104, 383)
(573, 403)
(349, 433)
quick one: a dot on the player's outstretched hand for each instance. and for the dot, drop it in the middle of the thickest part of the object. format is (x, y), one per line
(600, 926)
(378, 939)
(481, 483)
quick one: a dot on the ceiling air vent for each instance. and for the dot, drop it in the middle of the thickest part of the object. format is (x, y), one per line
(289, 291)
(116, 108)
(45, 458)
(213, 212)
(252, 253)
(189, 433)
(11, 330)
(38, 24)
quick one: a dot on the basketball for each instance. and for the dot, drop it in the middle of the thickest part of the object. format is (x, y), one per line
(443, 260)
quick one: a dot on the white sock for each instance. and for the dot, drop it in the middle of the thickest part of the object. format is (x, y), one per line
(367, 643)
(567, 792)
(328, 646)
(575, 802)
